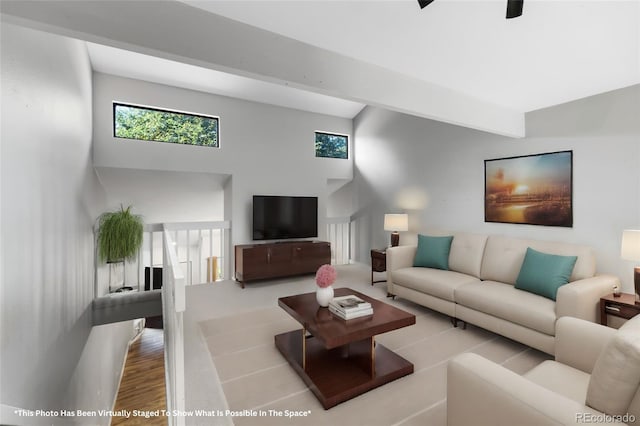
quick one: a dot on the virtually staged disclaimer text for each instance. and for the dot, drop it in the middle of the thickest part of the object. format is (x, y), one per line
(163, 413)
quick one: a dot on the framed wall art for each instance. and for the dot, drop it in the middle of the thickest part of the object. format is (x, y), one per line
(532, 189)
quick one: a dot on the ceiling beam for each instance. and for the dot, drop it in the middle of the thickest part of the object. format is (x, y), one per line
(179, 32)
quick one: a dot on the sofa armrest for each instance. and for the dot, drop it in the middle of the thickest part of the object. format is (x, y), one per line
(579, 342)
(581, 298)
(481, 392)
(397, 258)
(400, 257)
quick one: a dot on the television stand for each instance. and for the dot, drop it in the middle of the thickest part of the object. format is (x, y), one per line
(291, 242)
(277, 260)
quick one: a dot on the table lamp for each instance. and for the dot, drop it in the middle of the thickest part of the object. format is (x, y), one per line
(631, 251)
(395, 223)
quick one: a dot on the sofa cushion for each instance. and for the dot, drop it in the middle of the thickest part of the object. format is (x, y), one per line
(542, 273)
(616, 375)
(503, 257)
(508, 303)
(434, 282)
(466, 253)
(562, 379)
(433, 252)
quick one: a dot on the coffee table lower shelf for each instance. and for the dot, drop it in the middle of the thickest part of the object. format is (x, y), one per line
(339, 374)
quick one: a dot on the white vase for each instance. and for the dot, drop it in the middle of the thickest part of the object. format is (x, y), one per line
(324, 296)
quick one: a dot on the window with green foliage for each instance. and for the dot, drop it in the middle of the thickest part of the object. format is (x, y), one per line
(152, 124)
(330, 145)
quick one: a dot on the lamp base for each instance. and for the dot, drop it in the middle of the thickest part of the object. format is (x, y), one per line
(395, 240)
(636, 283)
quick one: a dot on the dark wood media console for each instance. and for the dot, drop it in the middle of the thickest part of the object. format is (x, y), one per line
(276, 260)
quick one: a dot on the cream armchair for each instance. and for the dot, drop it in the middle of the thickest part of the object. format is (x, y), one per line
(594, 379)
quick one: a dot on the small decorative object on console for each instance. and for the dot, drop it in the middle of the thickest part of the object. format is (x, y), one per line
(325, 277)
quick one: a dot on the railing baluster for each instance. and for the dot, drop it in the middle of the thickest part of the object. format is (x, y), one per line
(210, 276)
(140, 262)
(151, 241)
(189, 269)
(339, 232)
(222, 255)
(341, 244)
(176, 243)
(200, 256)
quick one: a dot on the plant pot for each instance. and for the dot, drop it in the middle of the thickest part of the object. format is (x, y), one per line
(324, 295)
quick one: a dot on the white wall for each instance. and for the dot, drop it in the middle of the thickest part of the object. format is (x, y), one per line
(265, 149)
(396, 154)
(50, 200)
(95, 381)
(160, 197)
(195, 197)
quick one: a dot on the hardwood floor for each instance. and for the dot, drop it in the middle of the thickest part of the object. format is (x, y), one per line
(142, 387)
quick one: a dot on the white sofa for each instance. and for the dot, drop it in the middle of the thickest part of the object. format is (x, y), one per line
(479, 287)
(594, 379)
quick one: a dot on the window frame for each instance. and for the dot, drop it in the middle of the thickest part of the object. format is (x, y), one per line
(345, 135)
(115, 104)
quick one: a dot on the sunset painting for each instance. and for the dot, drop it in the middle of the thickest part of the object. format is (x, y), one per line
(533, 189)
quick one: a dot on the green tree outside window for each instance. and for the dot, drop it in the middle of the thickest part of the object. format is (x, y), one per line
(332, 146)
(150, 124)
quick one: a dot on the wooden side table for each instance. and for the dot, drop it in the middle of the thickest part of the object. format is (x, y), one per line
(378, 263)
(622, 307)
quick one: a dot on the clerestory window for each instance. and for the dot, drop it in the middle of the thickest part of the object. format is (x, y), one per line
(159, 125)
(331, 145)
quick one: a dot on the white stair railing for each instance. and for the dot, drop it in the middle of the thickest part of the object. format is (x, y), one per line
(183, 245)
(173, 306)
(339, 232)
(202, 249)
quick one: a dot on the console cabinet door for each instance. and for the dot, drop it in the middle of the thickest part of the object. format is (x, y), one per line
(255, 263)
(309, 257)
(280, 257)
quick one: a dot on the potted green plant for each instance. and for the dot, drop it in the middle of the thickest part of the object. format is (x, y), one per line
(119, 236)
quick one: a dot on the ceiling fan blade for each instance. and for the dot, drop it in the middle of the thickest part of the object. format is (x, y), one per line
(424, 3)
(514, 8)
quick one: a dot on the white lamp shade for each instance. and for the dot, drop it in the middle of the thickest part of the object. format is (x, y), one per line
(396, 222)
(630, 245)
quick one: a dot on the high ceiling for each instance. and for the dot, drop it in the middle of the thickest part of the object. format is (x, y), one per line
(125, 63)
(456, 61)
(557, 51)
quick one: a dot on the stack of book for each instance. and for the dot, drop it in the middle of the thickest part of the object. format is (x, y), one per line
(349, 307)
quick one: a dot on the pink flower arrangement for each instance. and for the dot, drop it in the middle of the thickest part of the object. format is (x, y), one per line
(325, 276)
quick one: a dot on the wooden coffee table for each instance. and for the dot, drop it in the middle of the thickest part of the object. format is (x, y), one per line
(340, 359)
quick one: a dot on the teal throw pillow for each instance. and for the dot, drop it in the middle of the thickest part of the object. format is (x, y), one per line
(433, 252)
(543, 273)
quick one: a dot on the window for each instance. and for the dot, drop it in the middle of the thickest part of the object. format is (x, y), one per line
(330, 145)
(152, 124)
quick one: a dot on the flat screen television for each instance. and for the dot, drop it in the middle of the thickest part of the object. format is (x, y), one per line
(279, 217)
